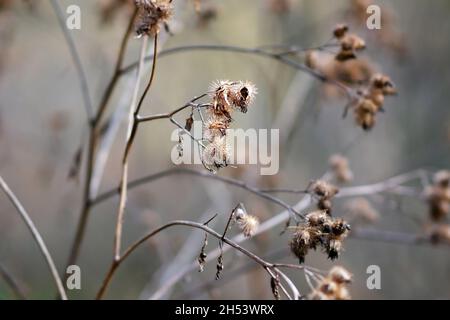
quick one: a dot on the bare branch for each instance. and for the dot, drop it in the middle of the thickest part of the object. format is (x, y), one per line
(76, 59)
(37, 237)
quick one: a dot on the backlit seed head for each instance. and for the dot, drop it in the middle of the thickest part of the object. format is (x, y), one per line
(248, 224)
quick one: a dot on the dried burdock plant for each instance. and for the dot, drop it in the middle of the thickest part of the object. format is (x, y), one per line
(319, 230)
(349, 43)
(440, 234)
(246, 222)
(324, 191)
(341, 169)
(371, 100)
(151, 15)
(334, 286)
(226, 97)
(438, 196)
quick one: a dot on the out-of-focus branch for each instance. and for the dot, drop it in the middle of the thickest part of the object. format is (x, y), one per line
(135, 183)
(76, 59)
(36, 235)
(11, 282)
(253, 51)
(92, 145)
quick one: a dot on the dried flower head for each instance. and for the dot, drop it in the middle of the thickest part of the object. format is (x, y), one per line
(151, 15)
(340, 275)
(324, 191)
(341, 169)
(319, 230)
(333, 286)
(340, 30)
(438, 196)
(226, 97)
(216, 154)
(246, 222)
(349, 43)
(440, 234)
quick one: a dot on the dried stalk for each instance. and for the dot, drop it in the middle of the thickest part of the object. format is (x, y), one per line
(37, 237)
(92, 144)
(196, 225)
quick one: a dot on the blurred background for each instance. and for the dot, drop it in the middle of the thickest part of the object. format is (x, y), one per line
(43, 124)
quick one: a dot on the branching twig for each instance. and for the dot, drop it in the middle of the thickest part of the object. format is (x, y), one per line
(253, 51)
(92, 144)
(37, 237)
(201, 226)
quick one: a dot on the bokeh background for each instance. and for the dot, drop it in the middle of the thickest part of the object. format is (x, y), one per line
(43, 123)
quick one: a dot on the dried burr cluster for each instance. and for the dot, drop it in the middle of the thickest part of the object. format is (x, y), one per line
(349, 43)
(438, 196)
(324, 192)
(333, 286)
(151, 15)
(368, 88)
(371, 99)
(321, 230)
(246, 222)
(226, 97)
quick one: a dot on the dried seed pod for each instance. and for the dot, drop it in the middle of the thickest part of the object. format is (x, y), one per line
(340, 275)
(317, 218)
(216, 155)
(440, 234)
(242, 95)
(219, 267)
(323, 189)
(340, 30)
(275, 286)
(334, 248)
(202, 256)
(248, 224)
(333, 286)
(151, 15)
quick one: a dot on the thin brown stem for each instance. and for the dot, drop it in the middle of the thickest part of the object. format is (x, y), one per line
(36, 235)
(92, 144)
(196, 225)
(117, 70)
(132, 129)
(241, 184)
(253, 51)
